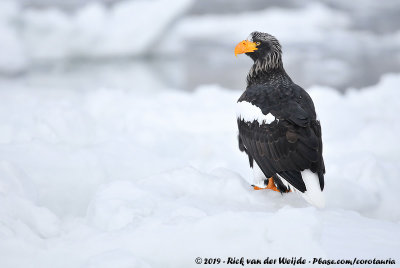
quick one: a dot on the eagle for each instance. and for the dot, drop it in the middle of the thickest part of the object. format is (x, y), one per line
(278, 126)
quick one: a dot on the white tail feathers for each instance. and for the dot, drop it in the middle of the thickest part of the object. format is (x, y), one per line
(313, 193)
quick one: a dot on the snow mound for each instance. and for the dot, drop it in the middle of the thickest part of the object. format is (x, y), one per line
(19, 214)
(124, 178)
(360, 149)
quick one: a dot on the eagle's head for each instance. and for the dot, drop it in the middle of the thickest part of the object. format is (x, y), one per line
(263, 48)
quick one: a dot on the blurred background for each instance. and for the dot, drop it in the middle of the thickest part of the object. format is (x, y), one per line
(158, 44)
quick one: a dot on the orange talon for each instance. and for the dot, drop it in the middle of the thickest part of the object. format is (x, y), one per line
(271, 186)
(258, 188)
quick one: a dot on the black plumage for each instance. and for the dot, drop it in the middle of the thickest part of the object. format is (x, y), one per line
(292, 142)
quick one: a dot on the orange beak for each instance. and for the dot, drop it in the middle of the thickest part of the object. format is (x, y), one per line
(245, 46)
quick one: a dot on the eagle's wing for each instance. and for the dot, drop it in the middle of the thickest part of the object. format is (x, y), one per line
(288, 145)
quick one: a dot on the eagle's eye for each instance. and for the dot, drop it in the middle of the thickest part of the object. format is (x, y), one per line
(258, 43)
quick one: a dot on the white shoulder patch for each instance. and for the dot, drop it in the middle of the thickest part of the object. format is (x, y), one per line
(250, 113)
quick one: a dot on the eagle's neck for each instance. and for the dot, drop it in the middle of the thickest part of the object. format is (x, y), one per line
(267, 72)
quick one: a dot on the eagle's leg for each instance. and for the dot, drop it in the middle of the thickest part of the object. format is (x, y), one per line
(271, 186)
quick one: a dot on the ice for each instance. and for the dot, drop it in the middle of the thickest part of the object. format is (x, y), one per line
(13, 58)
(331, 46)
(118, 177)
(316, 19)
(96, 31)
(126, 29)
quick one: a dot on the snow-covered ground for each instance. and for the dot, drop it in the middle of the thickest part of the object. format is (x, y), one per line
(118, 177)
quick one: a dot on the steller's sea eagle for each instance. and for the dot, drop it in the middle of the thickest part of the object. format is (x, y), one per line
(278, 127)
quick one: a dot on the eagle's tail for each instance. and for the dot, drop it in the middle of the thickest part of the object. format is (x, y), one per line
(313, 193)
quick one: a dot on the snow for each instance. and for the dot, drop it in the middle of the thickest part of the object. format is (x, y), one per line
(118, 177)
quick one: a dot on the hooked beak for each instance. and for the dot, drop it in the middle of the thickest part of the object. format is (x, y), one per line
(245, 46)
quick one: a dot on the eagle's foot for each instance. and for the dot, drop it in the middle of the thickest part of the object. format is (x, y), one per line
(270, 185)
